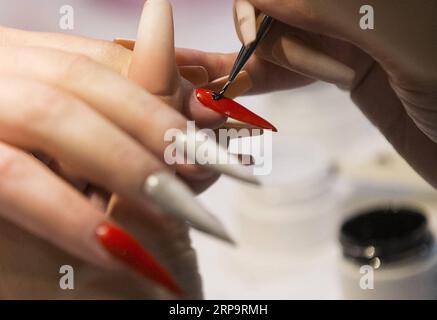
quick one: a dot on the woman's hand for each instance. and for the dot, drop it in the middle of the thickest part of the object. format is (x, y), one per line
(390, 71)
(66, 100)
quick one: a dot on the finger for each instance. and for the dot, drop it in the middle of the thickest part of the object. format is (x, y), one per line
(195, 74)
(77, 228)
(111, 55)
(302, 52)
(265, 76)
(167, 239)
(245, 21)
(143, 116)
(198, 76)
(154, 51)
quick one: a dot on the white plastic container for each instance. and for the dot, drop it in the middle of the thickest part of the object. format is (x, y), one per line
(297, 206)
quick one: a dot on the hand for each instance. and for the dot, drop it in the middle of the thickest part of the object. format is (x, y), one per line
(390, 71)
(74, 122)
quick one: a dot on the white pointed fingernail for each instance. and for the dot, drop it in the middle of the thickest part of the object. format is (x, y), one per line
(172, 196)
(201, 149)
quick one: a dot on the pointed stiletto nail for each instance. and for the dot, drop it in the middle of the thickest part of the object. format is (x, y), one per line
(193, 144)
(172, 196)
(126, 43)
(232, 109)
(126, 249)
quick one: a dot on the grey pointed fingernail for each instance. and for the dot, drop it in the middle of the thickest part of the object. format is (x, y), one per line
(172, 196)
(194, 144)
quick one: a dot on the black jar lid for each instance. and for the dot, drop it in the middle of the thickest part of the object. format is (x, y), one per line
(385, 234)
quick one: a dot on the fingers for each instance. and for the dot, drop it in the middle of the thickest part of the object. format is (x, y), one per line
(264, 75)
(66, 129)
(245, 21)
(36, 200)
(132, 109)
(24, 188)
(53, 122)
(141, 115)
(154, 50)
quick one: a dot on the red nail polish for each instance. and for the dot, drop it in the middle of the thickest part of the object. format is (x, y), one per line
(125, 248)
(232, 109)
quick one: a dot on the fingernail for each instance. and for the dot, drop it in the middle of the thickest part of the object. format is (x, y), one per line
(126, 249)
(172, 196)
(196, 144)
(232, 109)
(246, 20)
(242, 84)
(294, 55)
(126, 43)
(197, 75)
(235, 124)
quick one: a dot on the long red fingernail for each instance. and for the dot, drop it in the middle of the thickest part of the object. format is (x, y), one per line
(125, 248)
(232, 109)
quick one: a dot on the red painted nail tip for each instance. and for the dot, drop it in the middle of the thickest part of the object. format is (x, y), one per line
(128, 250)
(232, 109)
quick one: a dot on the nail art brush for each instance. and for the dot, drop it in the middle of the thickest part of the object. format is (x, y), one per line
(244, 55)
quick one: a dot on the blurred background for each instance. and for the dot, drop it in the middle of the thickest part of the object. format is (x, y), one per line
(328, 163)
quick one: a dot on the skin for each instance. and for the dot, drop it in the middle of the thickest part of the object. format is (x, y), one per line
(393, 79)
(82, 83)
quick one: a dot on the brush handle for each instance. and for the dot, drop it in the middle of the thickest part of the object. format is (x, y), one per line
(246, 53)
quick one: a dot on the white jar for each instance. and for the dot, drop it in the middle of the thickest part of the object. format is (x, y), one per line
(296, 207)
(388, 253)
